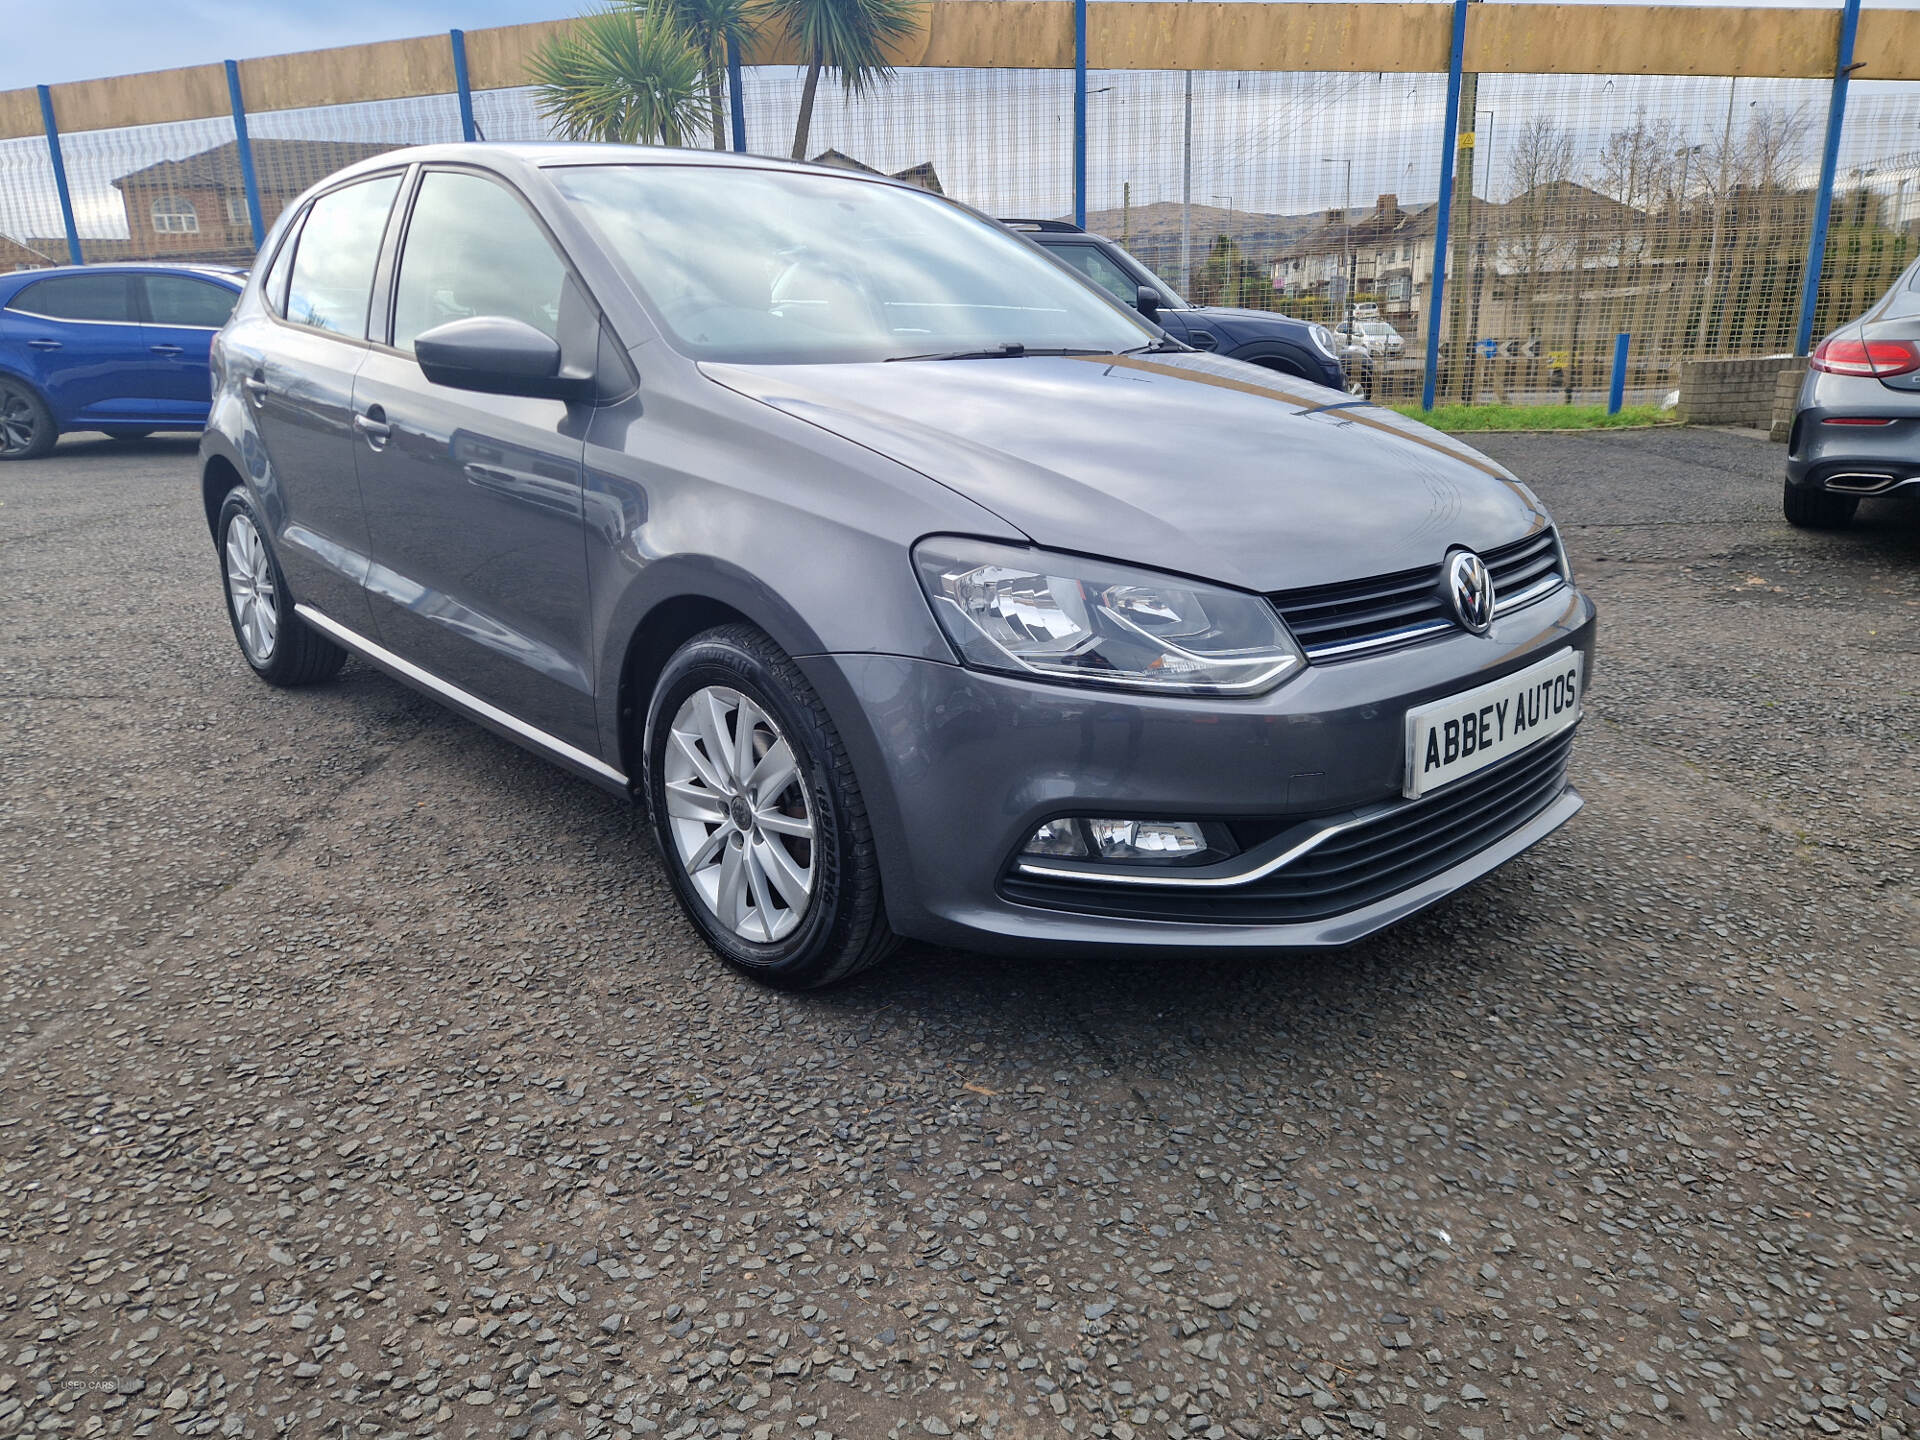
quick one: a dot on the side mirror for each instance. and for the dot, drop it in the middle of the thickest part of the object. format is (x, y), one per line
(1147, 301)
(497, 356)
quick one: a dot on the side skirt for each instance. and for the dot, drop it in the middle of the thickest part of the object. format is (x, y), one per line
(509, 727)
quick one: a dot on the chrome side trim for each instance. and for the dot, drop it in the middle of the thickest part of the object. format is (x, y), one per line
(480, 709)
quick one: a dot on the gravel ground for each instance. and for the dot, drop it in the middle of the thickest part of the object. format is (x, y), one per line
(358, 1077)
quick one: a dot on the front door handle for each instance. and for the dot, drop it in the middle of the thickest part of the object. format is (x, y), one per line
(166, 350)
(373, 425)
(256, 388)
(43, 344)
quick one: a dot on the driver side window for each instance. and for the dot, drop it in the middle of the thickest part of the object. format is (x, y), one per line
(473, 249)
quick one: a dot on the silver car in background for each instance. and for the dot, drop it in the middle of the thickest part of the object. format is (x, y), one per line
(1856, 428)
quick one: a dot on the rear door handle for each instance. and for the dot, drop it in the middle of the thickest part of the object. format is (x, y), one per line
(166, 350)
(377, 431)
(43, 344)
(256, 388)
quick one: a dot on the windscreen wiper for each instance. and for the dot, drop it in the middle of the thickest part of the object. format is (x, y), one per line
(1012, 350)
(1165, 345)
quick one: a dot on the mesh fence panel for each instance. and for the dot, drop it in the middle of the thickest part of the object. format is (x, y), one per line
(29, 207)
(1294, 192)
(1676, 209)
(292, 149)
(156, 192)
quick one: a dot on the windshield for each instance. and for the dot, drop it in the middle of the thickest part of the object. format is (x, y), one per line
(778, 267)
(1376, 329)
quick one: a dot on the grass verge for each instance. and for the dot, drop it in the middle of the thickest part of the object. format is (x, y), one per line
(1459, 418)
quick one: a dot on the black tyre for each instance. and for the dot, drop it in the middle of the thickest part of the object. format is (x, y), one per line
(281, 647)
(758, 815)
(27, 428)
(1817, 509)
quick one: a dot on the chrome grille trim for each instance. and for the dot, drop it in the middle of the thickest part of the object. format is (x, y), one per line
(1348, 619)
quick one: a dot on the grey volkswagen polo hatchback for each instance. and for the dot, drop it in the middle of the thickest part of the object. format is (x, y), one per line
(915, 587)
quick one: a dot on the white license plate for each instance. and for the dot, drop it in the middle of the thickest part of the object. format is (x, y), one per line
(1453, 737)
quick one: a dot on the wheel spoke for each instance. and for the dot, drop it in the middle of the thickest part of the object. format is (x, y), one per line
(237, 562)
(772, 775)
(712, 718)
(757, 883)
(774, 823)
(698, 860)
(704, 767)
(732, 888)
(793, 883)
(746, 717)
(688, 801)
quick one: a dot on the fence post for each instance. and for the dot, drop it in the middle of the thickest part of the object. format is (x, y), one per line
(468, 130)
(244, 147)
(1444, 205)
(737, 94)
(1617, 386)
(60, 175)
(1829, 162)
(1080, 112)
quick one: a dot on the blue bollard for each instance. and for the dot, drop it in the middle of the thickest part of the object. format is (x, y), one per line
(1617, 390)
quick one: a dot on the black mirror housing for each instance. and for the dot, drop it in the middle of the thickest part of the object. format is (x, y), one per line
(496, 355)
(1147, 301)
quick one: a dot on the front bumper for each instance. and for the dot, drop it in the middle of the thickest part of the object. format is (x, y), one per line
(958, 767)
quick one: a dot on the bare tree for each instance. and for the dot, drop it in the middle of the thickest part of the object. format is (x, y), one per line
(1538, 224)
(1639, 166)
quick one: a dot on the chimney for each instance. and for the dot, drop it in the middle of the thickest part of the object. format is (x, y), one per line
(1387, 207)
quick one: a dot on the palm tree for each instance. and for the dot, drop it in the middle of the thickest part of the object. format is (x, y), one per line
(628, 74)
(848, 36)
(712, 25)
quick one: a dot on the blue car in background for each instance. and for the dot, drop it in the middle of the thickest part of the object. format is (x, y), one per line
(121, 349)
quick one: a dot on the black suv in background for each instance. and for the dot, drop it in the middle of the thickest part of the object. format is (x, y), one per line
(1260, 337)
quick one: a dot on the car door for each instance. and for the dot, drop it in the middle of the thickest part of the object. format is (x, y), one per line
(474, 503)
(77, 341)
(295, 364)
(179, 315)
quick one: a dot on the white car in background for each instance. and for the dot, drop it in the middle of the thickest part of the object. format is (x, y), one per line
(1377, 336)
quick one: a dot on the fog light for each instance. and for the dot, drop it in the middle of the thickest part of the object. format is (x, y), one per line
(1147, 839)
(1058, 837)
(1145, 842)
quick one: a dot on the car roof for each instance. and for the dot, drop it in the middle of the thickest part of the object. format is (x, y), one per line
(233, 273)
(551, 154)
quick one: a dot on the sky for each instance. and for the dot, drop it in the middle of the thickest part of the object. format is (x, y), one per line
(44, 44)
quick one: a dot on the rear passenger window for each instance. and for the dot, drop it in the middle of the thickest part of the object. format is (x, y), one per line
(77, 297)
(273, 289)
(473, 249)
(333, 265)
(197, 304)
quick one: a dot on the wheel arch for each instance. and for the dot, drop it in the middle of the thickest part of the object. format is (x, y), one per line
(680, 603)
(1282, 355)
(218, 477)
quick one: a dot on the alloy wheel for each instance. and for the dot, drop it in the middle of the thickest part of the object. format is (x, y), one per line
(19, 422)
(256, 600)
(739, 813)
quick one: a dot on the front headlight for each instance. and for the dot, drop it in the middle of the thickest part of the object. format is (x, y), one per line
(1323, 337)
(1032, 612)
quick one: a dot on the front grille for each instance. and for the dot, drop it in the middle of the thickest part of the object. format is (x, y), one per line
(1354, 868)
(1362, 617)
